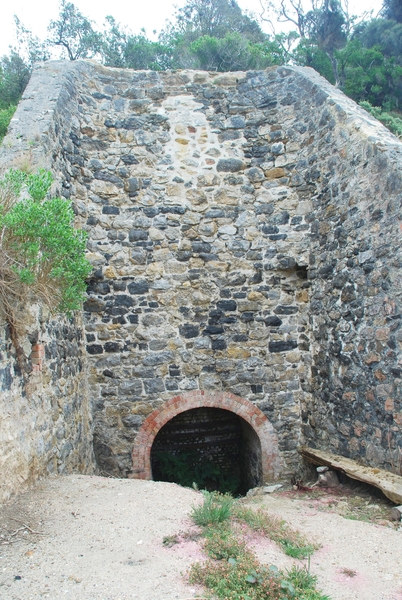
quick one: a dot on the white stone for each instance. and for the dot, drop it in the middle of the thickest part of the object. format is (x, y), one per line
(160, 284)
(285, 159)
(270, 489)
(228, 229)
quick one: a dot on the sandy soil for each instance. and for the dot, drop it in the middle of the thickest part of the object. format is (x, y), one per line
(93, 538)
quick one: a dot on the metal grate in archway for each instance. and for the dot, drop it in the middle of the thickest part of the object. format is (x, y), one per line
(211, 447)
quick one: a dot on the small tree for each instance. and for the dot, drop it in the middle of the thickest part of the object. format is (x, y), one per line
(233, 53)
(14, 77)
(215, 18)
(73, 32)
(327, 29)
(42, 256)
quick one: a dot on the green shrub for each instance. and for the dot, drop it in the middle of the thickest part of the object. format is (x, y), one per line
(6, 115)
(392, 122)
(42, 256)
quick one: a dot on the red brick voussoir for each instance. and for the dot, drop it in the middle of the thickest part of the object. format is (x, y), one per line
(141, 455)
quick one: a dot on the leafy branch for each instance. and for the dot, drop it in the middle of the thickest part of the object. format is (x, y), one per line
(42, 256)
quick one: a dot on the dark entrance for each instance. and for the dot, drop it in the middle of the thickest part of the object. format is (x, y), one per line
(212, 447)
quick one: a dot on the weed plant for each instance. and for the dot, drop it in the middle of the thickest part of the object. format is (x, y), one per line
(170, 540)
(222, 542)
(232, 571)
(230, 579)
(304, 584)
(216, 508)
(244, 578)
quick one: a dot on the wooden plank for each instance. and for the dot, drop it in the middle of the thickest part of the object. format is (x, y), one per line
(389, 483)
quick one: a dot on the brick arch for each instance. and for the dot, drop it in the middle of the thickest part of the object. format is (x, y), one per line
(141, 455)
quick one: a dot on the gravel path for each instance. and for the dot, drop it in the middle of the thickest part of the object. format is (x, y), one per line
(102, 540)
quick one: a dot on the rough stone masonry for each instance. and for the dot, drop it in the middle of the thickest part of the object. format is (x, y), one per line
(244, 230)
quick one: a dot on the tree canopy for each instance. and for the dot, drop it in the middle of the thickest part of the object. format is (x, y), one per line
(362, 56)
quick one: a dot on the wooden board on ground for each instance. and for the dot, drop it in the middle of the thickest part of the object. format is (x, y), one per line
(389, 483)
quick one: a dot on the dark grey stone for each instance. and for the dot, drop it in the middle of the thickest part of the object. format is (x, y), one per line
(131, 386)
(282, 346)
(110, 210)
(109, 177)
(6, 379)
(113, 347)
(133, 185)
(94, 305)
(188, 330)
(286, 310)
(132, 421)
(227, 305)
(159, 358)
(135, 235)
(230, 165)
(272, 321)
(255, 174)
(154, 386)
(129, 159)
(139, 287)
(201, 247)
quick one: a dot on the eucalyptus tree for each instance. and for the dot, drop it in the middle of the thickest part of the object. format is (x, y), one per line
(74, 33)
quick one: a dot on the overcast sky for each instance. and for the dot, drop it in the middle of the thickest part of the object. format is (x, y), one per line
(135, 14)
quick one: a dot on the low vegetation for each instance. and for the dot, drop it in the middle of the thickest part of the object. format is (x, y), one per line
(232, 571)
(389, 119)
(216, 508)
(5, 117)
(291, 541)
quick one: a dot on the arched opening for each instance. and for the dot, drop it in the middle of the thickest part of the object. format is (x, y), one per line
(259, 440)
(211, 447)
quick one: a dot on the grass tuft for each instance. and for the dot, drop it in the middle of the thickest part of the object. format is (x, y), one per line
(216, 508)
(292, 542)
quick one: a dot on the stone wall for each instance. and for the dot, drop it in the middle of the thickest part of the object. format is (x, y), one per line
(200, 247)
(45, 425)
(45, 418)
(244, 232)
(355, 307)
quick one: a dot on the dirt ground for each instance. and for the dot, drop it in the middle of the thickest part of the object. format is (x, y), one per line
(94, 538)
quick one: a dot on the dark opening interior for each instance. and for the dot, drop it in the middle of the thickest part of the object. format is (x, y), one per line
(211, 447)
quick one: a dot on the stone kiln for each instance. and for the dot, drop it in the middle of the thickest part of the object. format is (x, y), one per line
(244, 233)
